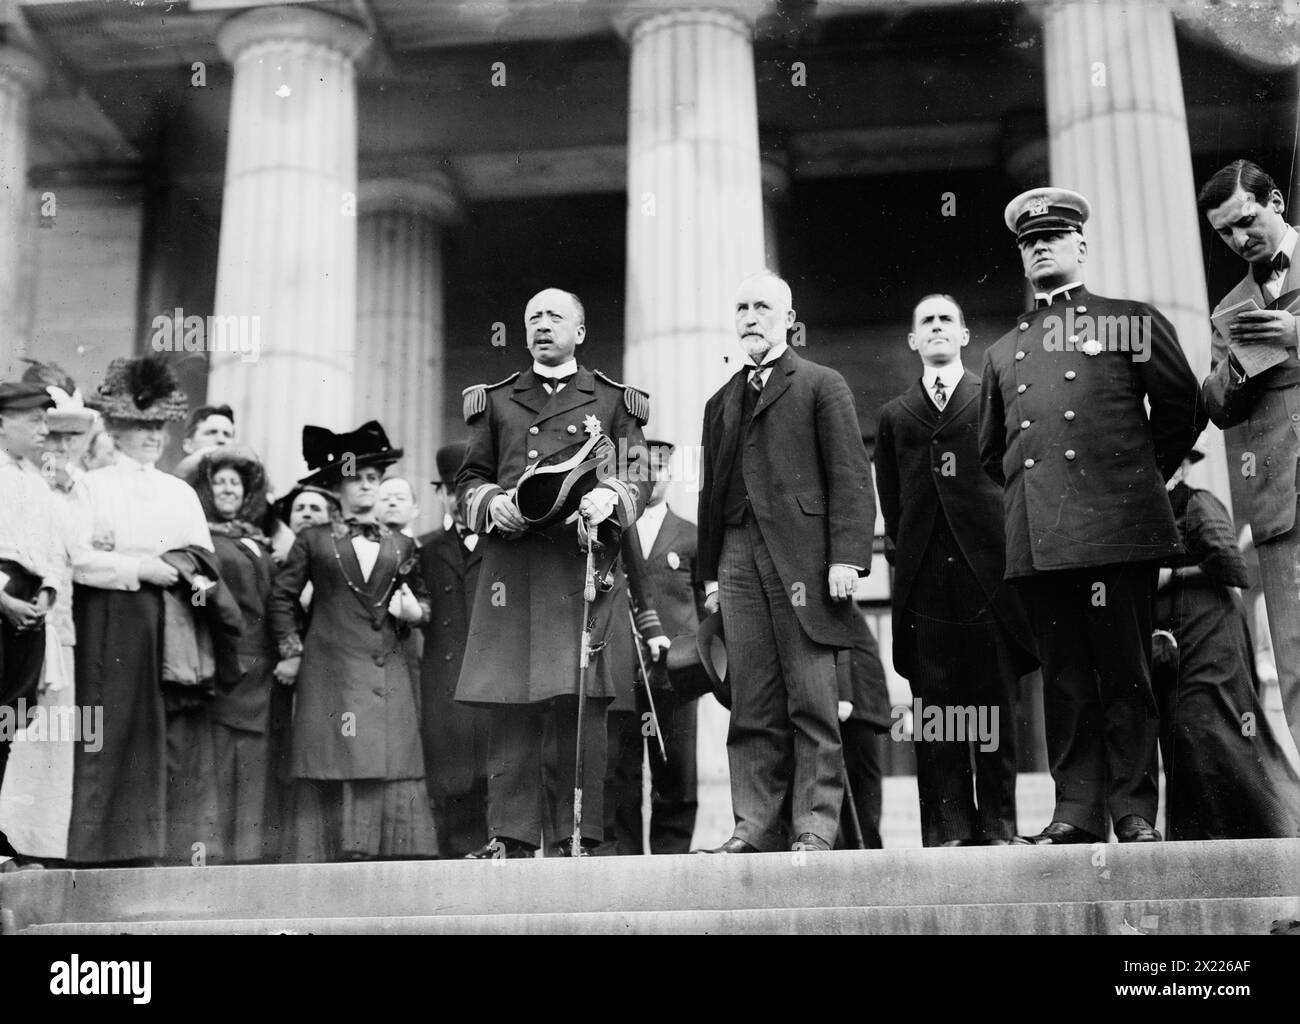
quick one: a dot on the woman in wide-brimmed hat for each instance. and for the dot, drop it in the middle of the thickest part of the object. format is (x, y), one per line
(357, 760)
(149, 792)
(231, 484)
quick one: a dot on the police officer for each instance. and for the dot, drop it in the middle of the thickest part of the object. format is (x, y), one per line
(521, 655)
(1064, 430)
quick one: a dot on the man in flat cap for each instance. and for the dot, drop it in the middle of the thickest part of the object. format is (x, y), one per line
(522, 653)
(1256, 381)
(1064, 430)
(29, 556)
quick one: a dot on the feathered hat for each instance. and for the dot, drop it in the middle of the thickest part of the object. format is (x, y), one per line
(330, 456)
(140, 390)
(69, 414)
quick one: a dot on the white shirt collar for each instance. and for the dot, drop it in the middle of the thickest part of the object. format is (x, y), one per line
(1287, 245)
(770, 356)
(950, 375)
(654, 514)
(551, 372)
(127, 464)
(1050, 297)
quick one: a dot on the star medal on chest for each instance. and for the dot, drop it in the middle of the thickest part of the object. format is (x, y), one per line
(674, 560)
(591, 425)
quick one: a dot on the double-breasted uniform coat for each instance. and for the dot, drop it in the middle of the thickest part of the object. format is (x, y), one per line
(1065, 431)
(522, 651)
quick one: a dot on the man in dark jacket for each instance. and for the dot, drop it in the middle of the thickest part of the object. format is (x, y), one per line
(455, 735)
(785, 525)
(1065, 430)
(960, 635)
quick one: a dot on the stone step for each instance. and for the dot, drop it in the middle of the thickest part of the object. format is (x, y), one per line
(1251, 916)
(908, 879)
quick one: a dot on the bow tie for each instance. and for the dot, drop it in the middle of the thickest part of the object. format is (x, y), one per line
(1277, 265)
(553, 384)
(371, 531)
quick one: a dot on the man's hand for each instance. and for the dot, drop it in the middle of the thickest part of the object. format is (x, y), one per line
(1264, 327)
(44, 600)
(597, 505)
(711, 602)
(21, 615)
(159, 573)
(658, 645)
(286, 670)
(841, 580)
(845, 709)
(506, 517)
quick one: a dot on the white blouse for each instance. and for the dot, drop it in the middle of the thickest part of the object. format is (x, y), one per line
(125, 513)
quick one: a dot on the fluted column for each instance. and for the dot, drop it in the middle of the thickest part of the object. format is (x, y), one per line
(1117, 132)
(288, 250)
(695, 206)
(21, 76)
(400, 365)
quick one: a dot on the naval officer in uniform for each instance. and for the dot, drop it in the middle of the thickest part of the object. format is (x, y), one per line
(521, 655)
(1064, 430)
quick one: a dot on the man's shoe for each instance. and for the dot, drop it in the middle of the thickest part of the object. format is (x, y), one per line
(1058, 833)
(502, 848)
(732, 845)
(809, 841)
(564, 847)
(1133, 828)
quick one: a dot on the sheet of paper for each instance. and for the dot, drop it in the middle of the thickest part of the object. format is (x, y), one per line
(1254, 359)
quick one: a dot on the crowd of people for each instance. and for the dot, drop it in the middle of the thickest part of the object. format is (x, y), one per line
(194, 670)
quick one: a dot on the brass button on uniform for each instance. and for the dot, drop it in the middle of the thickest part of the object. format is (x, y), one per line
(572, 429)
(1081, 309)
(1024, 424)
(379, 660)
(1069, 414)
(1021, 389)
(446, 657)
(532, 430)
(1019, 356)
(1029, 463)
(532, 454)
(1024, 327)
(1070, 375)
(1069, 454)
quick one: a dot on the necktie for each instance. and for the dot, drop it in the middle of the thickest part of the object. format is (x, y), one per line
(1277, 265)
(756, 379)
(554, 384)
(356, 528)
(940, 394)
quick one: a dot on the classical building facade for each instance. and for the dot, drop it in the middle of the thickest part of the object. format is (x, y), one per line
(370, 190)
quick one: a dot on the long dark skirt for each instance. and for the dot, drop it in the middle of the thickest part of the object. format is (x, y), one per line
(1226, 775)
(362, 819)
(119, 792)
(193, 815)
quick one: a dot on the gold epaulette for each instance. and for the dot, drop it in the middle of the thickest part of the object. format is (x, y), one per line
(636, 400)
(475, 396)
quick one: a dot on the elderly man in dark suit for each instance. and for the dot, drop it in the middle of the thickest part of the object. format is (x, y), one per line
(522, 652)
(1256, 381)
(785, 527)
(1065, 430)
(960, 635)
(455, 735)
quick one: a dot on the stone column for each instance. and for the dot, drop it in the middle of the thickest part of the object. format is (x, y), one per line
(400, 365)
(288, 249)
(1117, 132)
(694, 230)
(695, 206)
(21, 76)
